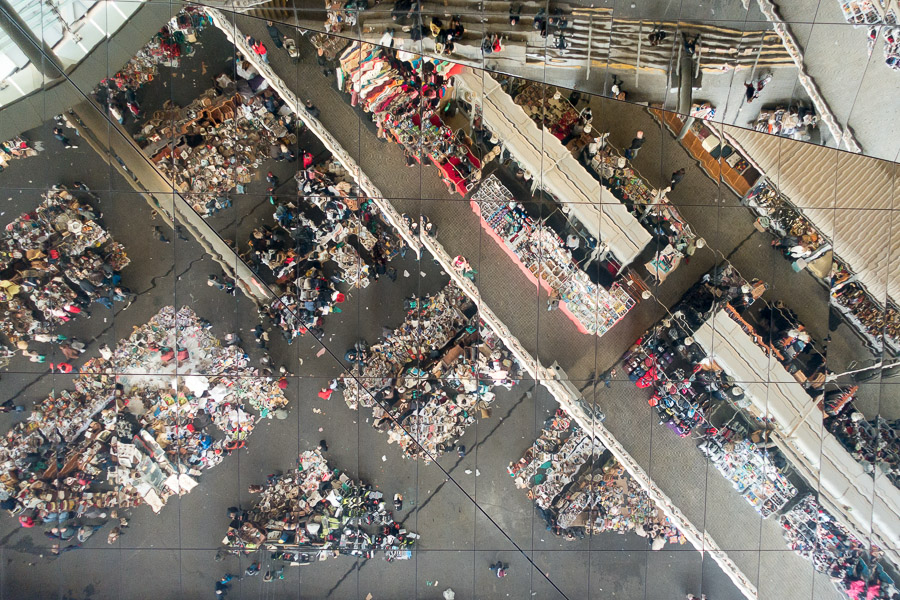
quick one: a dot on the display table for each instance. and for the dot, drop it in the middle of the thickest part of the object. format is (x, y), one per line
(541, 255)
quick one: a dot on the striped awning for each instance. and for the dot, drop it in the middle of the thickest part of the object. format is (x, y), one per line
(852, 199)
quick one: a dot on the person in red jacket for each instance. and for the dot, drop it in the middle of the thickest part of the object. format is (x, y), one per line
(258, 48)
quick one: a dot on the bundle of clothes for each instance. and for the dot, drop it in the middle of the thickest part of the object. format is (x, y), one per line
(315, 512)
(852, 565)
(55, 261)
(428, 379)
(131, 431)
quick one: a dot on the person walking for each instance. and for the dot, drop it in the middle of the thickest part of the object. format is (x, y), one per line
(632, 151)
(500, 569)
(61, 136)
(677, 176)
(276, 36)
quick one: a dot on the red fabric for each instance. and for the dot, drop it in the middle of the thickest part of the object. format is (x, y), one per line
(282, 383)
(325, 394)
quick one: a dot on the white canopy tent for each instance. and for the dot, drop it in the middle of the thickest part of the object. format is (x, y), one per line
(544, 156)
(869, 505)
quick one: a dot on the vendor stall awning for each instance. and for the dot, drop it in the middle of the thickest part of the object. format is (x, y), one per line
(853, 199)
(869, 505)
(544, 156)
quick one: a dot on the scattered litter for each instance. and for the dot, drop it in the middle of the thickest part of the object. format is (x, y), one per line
(320, 352)
(468, 471)
(405, 273)
(383, 458)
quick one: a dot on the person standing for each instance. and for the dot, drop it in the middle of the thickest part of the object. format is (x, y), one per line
(677, 176)
(500, 569)
(274, 34)
(311, 109)
(258, 48)
(632, 151)
(58, 134)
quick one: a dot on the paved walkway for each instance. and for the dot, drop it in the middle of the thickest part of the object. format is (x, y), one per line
(681, 472)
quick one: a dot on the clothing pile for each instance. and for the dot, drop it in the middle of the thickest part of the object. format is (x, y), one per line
(852, 565)
(17, 147)
(328, 222)
(874, 443)
(554, 460)
(216, 143)
(132, 431)
(579, 488)
(429, 378)
(314, 512)
(796, 122)
(174, 40)
(54, 262)
(403, 91)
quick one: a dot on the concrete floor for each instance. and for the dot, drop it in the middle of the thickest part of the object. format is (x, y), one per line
(466, 522)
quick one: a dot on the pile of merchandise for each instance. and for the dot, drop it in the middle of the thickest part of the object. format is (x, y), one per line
(313, 513)
(852, 565)
(403, 91)
(17, 147)
(215, 144)
(750, 470)
(877, 20)
(873, 443)
(427, 381)
(55, 261)
(544, 255)
(798, 237)
(580, 489)
(866, 314)
(686, 384)
(546, 106)
(173, 41)
(554, 460)
(132, 431)
(795, 122)
(327, 223)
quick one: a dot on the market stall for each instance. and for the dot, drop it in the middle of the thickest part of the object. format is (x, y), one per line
(580, 490)
(403, 91)
(216, 143)
(55, 261)
(429, 380)
(853, 565)
(776, 396)
(140, 426)
(862, 246)
(543, 256)
(314, 513)
(553, 167)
